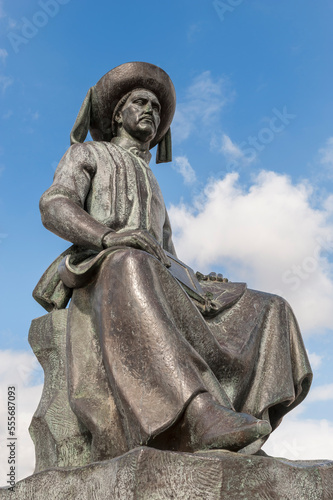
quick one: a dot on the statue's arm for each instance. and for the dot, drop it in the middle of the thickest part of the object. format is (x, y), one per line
(62, 205)
(167, 236)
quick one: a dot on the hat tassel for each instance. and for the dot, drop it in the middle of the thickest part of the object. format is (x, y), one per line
(81, 126)
(164, 149)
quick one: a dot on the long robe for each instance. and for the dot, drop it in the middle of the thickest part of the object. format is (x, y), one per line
(138, 348)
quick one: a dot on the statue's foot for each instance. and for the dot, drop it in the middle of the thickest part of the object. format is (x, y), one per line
(208, 425)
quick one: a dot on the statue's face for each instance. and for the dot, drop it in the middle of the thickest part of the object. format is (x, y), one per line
(140, 115)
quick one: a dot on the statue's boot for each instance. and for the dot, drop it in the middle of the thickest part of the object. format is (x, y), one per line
(208, 425)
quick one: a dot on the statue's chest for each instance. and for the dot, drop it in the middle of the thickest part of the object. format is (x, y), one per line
(126, 194)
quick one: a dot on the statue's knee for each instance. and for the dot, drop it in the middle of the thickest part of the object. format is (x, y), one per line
(131, 258)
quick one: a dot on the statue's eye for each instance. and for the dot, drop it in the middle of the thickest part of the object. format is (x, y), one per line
(139, 101)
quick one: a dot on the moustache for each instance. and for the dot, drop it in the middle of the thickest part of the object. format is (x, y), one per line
(147, 117)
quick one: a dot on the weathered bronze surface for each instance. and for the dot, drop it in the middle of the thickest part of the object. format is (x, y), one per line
(155, 357)
(148, 474)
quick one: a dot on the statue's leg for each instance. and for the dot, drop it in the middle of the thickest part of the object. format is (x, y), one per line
(90, 394)
(150, 335)
(267, 372)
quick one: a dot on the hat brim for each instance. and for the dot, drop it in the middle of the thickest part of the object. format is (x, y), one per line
(123, 79)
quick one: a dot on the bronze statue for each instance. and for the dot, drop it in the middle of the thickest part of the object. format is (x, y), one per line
(154, 356)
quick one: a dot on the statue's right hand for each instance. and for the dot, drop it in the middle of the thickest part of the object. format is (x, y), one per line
(137, 239)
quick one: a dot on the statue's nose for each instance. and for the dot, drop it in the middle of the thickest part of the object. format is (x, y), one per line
(149, 107)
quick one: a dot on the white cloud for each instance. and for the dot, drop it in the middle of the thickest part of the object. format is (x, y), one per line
(204, 100)
(315, 360)
(183, 167)
(5, 82)
(230, 149)
(268, 235)
(3, 55)
(298, 439)
(27, 401)
(321, 393)
(233, 152)
(19, 369)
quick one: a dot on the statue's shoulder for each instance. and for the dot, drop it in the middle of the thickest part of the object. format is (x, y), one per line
(88, 146)
(88, 152)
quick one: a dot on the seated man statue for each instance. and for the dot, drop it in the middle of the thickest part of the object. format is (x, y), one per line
(154, 358)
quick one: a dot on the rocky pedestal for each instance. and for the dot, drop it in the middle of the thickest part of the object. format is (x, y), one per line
(149, 474)
(60, 439)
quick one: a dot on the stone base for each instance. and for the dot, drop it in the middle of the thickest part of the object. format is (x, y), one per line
(149, 474)
(60, 439)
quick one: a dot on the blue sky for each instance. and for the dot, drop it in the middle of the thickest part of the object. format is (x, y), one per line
(249, 191)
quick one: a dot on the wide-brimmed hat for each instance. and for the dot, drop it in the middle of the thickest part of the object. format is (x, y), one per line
(98, 107)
